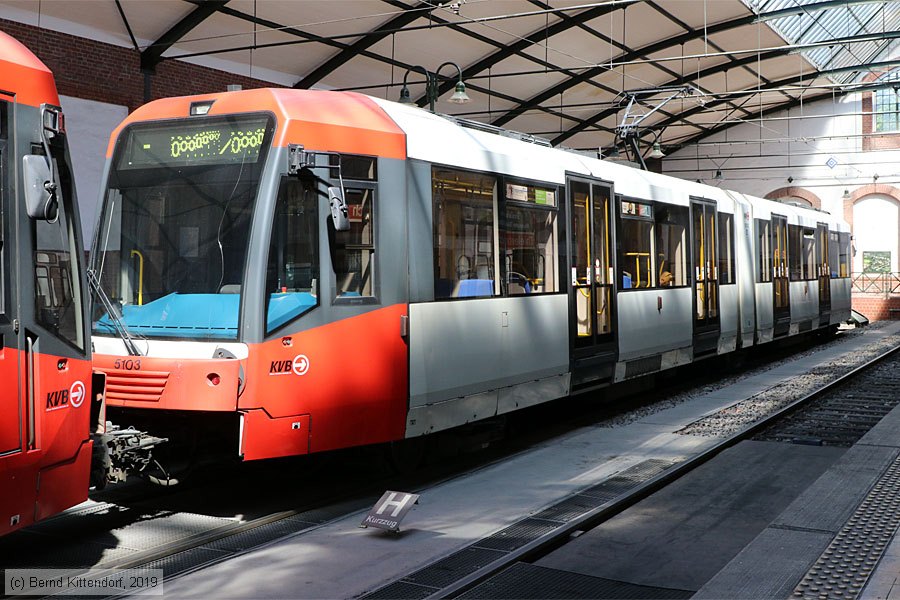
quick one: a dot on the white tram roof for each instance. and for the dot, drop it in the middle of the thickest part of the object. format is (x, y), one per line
(437, 139)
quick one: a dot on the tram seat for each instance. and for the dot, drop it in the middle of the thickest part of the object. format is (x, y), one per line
(471, 288)
(626, 280)
(518, 283)
(230, 288)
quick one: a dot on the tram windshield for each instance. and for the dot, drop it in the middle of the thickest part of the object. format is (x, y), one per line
(171, 247)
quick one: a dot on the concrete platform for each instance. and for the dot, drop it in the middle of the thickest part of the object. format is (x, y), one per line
(774, 563)
(339, 560)
(683, 535)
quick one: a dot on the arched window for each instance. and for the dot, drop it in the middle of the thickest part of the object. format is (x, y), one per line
(887, 107)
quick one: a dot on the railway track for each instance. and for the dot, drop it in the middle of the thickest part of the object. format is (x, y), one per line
(838, 413)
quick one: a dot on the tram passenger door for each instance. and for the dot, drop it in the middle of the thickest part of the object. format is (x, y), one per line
(824, 274)
(706, 281)
(592, 293)
(780, 282)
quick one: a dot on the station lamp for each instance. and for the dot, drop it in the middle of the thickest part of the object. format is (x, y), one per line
(432, 84)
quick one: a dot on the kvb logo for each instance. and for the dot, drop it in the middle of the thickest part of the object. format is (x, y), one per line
(299, 365)
(73, 396)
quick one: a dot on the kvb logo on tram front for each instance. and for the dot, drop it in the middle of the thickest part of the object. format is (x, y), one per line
(62, 398)
(299, 365)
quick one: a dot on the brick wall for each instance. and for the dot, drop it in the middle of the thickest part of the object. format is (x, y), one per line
(876, 307)
(872, 140)
(106, 73)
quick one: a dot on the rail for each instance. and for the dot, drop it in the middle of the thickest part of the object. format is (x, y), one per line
(875, 283)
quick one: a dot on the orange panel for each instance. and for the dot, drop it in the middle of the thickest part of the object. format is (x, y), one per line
(23, 74)
(265, 437)
(350, 376)
(55, 474)
(63, 406)
(317, 119)
(170, 383)
(64, 485)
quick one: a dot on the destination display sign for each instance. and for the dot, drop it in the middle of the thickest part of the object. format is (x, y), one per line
(189, 143)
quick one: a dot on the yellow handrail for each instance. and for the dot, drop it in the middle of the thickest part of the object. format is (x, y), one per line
(140, 276)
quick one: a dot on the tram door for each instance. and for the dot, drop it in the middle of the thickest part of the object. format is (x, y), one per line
(10, 372)
(592, 293)
(781, 301)
(706, 280)
(824, 272)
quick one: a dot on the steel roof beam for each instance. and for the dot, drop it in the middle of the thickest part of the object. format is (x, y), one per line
(152, 55)
(561, 26)
(410, 14)
(663, 45)
(518, 49)
(786, 105)
(334, 43)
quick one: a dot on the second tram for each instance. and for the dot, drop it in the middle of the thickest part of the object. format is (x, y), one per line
(47, 406)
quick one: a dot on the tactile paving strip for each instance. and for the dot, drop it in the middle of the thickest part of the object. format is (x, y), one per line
(844, 568)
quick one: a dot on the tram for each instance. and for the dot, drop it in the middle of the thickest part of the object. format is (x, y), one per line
(284, 272)
(47, 403)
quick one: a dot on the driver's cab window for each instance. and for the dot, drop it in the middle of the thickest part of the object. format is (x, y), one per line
(56, 268)
(353, 256)
(292, 270)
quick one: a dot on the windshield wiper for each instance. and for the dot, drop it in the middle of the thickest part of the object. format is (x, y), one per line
(118, 324)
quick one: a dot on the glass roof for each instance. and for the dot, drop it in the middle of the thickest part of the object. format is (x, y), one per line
(811, 24)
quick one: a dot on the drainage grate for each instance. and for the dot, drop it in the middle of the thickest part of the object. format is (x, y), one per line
(844, 568)
(481, 553)
(517, 535)
(401, 589)
(530, 581)
(454, 567)
(573, 507)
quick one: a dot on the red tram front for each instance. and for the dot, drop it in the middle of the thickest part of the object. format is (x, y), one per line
(228, 317)
(45, 370)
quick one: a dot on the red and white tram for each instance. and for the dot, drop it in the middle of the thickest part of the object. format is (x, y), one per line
(286, 271)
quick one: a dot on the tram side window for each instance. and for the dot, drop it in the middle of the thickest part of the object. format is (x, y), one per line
(844, 258)
(636, 248)
(764, 251)
(802, 253)
(354, 258)
(671, 246)
(795, 253)
(834, 251)
(528, 231)
(726, 248)
(809, 254)
(292, 269)
(464, 234)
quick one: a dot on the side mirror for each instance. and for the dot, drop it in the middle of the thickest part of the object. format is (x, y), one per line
(40, 192)
(338, 209)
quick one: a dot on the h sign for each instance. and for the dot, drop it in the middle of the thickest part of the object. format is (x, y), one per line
(390, 510)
